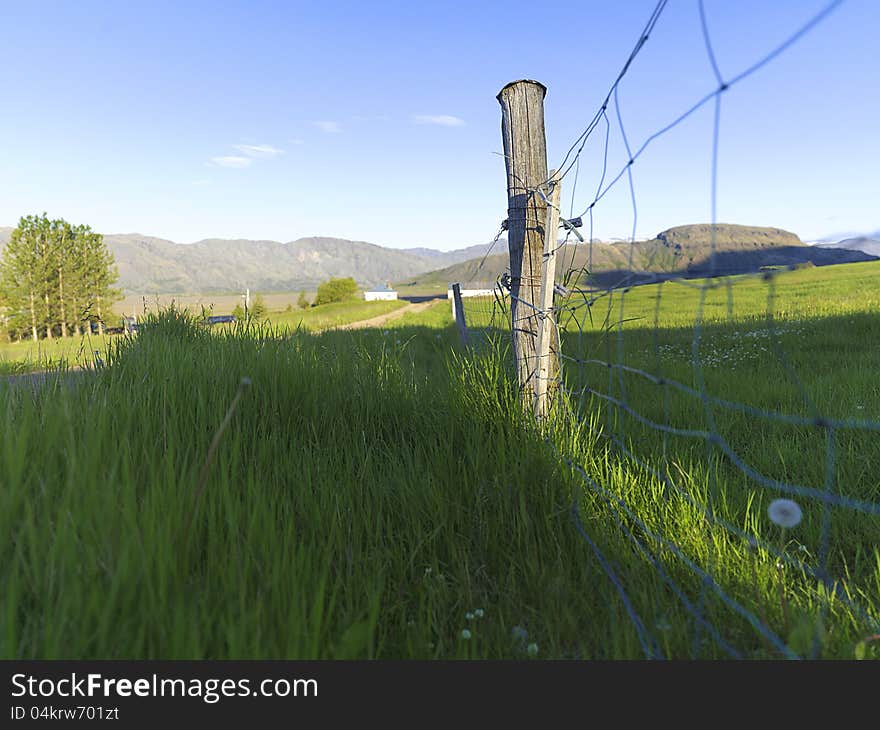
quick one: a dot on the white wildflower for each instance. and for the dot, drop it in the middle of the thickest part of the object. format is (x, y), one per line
(479, 613)
(469, 616)
(784, 512)
(465, 634)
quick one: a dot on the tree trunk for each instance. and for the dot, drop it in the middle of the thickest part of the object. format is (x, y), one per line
(33, 314)
(76, 317)
(61, 302)
(48, 317)
(100, 316)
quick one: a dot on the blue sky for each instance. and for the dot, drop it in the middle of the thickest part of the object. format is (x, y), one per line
(378, 121)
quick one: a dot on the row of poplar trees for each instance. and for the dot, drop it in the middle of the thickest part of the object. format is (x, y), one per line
(55, 279)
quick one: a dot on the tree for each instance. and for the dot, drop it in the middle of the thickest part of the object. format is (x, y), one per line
(64, 243)
(100, 274)
(20, 273)
(303, 301)
(53, 277)
(259, 308)
(238, 313)
(335, 290)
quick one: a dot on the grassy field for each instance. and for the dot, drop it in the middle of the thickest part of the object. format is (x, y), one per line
(79, 352)
(379, 493)
(814, 356)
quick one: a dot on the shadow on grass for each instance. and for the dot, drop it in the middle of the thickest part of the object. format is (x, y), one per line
(372, 491)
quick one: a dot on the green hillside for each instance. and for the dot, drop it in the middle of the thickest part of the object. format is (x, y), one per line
(681, 250)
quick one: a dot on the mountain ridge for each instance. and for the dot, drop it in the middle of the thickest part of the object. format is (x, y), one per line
(153, 265)
(675, 252)
(149, 264)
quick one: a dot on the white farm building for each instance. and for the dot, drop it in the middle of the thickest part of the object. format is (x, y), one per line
(380, 294)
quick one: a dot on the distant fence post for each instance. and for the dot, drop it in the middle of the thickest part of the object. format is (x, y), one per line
(547, 352)
(525, 156)
(458, 307)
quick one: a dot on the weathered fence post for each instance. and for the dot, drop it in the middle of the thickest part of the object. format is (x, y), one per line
(459, 313)
(525, 156)
(547, 355)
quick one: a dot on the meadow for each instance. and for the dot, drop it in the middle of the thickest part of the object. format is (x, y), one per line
(67, 352)
(80, 352)
(274, 492)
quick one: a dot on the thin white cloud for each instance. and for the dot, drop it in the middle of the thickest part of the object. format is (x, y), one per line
(259, 150)
(231, 161)
(442, 120)
(328, 127)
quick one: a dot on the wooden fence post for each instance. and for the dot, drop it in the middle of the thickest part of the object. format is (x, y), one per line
(459, 313)
(525, 156)
(547, 355)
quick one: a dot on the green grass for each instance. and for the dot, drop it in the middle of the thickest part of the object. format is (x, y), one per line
(355, 507)
(816, 355)
(373, 488)
(28, 356)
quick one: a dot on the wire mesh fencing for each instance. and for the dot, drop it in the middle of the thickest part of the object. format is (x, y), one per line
(718, 415)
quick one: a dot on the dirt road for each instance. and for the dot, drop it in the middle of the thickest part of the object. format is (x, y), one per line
(385, 318)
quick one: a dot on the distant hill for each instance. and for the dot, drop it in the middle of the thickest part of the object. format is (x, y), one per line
(866, 244)
(154, 265)
(682, 251)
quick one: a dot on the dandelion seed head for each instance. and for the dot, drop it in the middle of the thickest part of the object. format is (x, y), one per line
(465, 634)
(469, 616)
(784, 512)
(479, 613)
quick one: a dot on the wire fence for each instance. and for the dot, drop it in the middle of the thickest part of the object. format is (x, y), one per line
(723, 448)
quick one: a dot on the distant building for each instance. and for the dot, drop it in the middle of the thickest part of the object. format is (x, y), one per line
(380, 294)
